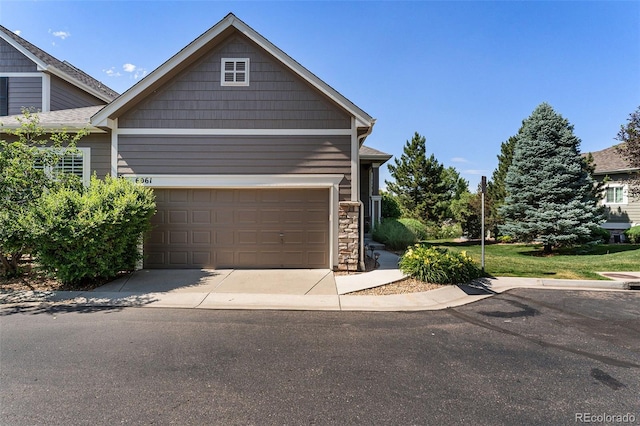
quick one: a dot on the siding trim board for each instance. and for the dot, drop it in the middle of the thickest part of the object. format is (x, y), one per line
(237, 132)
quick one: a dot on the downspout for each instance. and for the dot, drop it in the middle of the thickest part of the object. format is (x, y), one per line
(362, 265)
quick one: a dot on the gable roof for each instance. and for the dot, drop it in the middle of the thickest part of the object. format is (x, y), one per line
(62, 69)
(609, 160)
(200, 45)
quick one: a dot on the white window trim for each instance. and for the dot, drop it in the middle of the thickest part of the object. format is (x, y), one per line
(625, 194)
(234, 82)
(86, 163)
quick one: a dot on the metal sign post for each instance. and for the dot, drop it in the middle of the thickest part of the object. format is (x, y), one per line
(484, 190)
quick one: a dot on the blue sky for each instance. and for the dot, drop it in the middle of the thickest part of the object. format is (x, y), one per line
(462, 74)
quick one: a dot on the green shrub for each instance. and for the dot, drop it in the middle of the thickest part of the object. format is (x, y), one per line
(438, 265)
(601, 235)
(450, 231)
(389, 206)
(633, 234)
(416, 227)
(94, 233)
(395, 234)
(505, 239)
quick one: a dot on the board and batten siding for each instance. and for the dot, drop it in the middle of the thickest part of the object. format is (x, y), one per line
(275, 98)
(234, 155)
(67, 96)
(24, 92)
(11, 60)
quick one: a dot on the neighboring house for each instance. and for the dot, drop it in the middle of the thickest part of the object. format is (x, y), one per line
(255, 161)
(64, 96)
(623, 209)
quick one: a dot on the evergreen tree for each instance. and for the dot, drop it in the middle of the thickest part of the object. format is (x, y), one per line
(549, 189)
(496, 190)
(420, 185)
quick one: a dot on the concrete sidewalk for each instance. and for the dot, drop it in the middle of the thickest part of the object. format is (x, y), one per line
(293, 289)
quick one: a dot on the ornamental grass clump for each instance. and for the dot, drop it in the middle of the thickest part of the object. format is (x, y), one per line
(438, 265)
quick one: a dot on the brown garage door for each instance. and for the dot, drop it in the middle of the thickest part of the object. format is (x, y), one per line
(239, 228)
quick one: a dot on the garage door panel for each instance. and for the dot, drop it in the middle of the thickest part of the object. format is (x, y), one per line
(201, 196)
(178, 217)
(178, 258)
(196, 228)
(201, 237)
(247, 237)
(159, 217)
(201, 216)
(178, 196)
(223, 216)
(224, 238)
(316, 237)
(202, 257)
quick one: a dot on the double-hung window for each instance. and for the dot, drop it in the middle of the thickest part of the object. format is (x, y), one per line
(234, 72)
(76, 162)
(616, 194)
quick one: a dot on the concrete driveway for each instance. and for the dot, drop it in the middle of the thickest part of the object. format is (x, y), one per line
(309, 282)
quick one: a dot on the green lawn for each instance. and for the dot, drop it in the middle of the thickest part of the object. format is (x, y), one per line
(527, 260)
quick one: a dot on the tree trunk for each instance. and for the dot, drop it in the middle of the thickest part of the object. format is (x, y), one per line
(547, 249)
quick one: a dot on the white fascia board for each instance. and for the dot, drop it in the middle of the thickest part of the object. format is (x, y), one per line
(236, 181)
(232, 132)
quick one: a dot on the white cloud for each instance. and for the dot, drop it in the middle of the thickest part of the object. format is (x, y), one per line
(17, 32)
(60, 34)
(111, 72)
(135, 71)
(459, 160)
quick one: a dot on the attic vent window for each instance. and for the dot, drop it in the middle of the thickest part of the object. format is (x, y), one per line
(235, 72)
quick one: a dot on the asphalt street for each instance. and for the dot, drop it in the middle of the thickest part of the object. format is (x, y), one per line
(523, 357)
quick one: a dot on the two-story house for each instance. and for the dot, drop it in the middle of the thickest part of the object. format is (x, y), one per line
(255, 161)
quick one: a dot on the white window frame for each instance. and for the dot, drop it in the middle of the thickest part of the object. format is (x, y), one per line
(86, 162)
(234, 72)
(625, 194)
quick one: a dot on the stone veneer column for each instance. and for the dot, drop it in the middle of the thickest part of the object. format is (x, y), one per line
(348, 236)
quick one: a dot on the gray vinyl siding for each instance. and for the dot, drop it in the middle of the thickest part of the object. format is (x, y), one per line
(275, 98)
(11, 60)
(24, 92)
(100, 144)
(67, 96)
(238, 155)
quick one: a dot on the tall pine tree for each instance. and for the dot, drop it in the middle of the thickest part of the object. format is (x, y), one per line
(420, 184)
(496, 190)
(549, 189)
